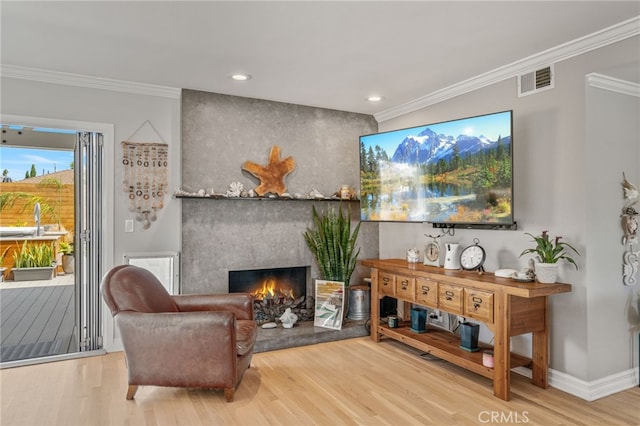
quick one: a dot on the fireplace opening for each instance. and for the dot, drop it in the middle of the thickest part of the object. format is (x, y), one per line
(275, 290)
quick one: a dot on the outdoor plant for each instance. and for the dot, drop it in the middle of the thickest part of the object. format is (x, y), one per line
(33, 256)
(4, 253)
(333, 244)
(551, 251)
(65, 247)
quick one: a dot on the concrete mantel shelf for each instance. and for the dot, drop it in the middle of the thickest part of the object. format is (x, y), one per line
(222, 197)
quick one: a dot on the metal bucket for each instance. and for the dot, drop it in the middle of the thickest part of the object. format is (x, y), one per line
(359, 302)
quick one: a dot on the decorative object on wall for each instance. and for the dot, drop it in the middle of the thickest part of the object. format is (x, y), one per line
(629, 222)
(272, 175)
(145, 175)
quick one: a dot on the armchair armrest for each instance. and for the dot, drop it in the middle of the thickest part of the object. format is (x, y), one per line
(179, 348)
(240, 304)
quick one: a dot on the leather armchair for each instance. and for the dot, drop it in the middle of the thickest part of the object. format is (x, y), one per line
(179, 341)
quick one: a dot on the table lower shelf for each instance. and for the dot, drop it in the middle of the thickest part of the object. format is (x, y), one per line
(446, 345)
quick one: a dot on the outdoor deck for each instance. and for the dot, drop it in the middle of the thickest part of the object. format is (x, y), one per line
(37, 318)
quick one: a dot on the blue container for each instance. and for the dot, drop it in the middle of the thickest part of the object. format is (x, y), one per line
(469, 336)
(418, 320)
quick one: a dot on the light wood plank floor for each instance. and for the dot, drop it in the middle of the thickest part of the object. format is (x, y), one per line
(350, 382)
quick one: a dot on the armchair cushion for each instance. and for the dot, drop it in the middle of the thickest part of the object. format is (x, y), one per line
(246, 334)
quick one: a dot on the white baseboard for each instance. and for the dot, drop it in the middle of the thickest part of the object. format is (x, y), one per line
(589, 391)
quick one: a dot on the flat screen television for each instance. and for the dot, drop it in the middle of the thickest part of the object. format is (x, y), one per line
(453, 173)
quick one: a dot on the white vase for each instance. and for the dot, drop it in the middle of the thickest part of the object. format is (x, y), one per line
(546, 273)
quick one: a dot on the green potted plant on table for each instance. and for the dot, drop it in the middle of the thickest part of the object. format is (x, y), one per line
(549, 253)
(33, 262)
(68, 258)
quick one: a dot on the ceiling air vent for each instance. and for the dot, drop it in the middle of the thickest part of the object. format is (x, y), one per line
(535, 81)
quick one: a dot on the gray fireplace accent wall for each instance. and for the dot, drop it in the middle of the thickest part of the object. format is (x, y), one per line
(219, 133)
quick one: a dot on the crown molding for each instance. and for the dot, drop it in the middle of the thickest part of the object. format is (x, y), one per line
(605, 37)
(613, 84)
(56, 77)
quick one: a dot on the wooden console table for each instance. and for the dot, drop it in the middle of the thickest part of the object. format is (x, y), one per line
(507, 307)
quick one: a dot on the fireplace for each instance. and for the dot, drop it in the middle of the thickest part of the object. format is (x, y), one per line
(275, 290)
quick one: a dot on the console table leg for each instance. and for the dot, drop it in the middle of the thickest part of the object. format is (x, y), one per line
(375, 305)
(502, 348)
(540, 352)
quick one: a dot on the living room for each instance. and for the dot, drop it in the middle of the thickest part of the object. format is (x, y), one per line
(570, 142)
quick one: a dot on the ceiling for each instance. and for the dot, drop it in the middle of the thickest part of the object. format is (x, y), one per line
(330, 54)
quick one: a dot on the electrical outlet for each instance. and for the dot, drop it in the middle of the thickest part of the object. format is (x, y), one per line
(128, 225)
(438, 318)
(461, 319)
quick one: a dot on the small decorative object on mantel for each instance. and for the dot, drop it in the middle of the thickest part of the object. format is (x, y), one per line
(629, 222)
(272, 175)
(235, 190)
(145, 175)
(549, 253)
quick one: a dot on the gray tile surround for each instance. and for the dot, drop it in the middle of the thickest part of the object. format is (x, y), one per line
(219, 133)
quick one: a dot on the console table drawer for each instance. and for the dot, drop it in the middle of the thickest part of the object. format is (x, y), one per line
(427, 292)
(478, 304)
(406, 288)
(387, 283)
(450, 298)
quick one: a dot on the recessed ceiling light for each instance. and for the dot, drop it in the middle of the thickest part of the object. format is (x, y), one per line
(241, 77)
(374, 98)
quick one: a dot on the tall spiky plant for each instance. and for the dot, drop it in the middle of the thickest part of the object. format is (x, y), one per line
(333, 244)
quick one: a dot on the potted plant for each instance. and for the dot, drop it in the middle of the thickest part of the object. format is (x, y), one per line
(33, 262)
(333, 244)
(68, 258)
(549, 253)
(3, 268)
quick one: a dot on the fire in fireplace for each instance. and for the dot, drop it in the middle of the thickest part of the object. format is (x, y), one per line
(275, 290)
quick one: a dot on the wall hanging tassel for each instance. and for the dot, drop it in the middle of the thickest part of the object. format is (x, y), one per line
(145, 177)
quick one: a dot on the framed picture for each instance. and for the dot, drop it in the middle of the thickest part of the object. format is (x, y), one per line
(329, 304)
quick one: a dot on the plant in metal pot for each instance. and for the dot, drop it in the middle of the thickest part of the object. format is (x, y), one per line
(333, 244)
(549, 252)
(33, 262)
(33, 256)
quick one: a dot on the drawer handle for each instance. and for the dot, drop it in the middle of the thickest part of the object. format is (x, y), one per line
(449, 295)
(425, 289)
(404, 284)
(385, 281)
(477, 300)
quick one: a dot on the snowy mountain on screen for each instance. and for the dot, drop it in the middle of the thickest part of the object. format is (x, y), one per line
(429, 147)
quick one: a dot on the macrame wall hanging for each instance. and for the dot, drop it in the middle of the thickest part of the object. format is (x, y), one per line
(145, 175)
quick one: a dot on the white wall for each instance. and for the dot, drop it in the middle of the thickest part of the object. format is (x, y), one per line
(612, 147)
(556, 188)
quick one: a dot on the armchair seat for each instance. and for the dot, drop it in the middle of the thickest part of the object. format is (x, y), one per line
(182, 340)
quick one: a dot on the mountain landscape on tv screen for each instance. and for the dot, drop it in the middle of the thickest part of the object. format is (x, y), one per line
(428, 147)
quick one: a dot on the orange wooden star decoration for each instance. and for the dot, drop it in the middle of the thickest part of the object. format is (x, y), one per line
(272, 175)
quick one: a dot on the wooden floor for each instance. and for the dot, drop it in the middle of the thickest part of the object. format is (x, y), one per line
(36, 321)
(350, 382)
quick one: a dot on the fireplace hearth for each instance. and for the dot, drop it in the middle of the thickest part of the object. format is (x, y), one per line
(275, 290)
